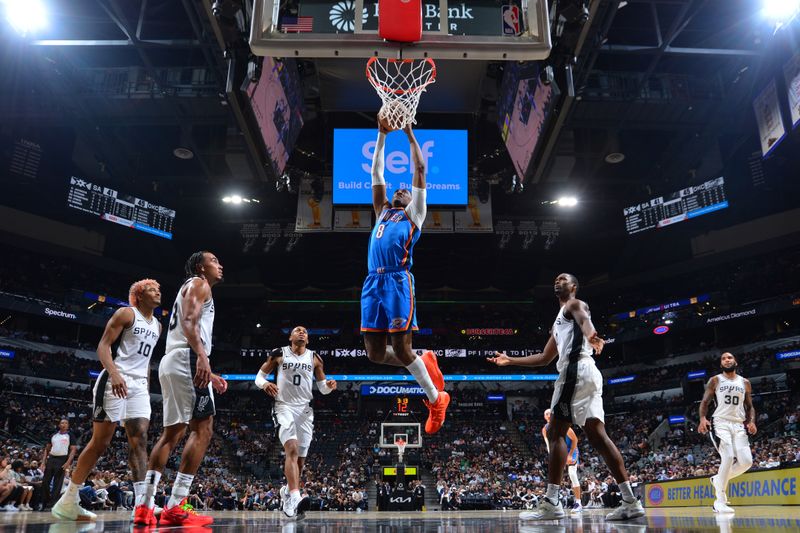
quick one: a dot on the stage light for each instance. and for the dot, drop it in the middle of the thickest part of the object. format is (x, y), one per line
(236, 199)
(258, 325)
(226, 199)
(26, 17)
(567, 201)
(780, 11)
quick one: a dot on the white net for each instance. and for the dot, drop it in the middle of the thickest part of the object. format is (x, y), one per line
(399, 84)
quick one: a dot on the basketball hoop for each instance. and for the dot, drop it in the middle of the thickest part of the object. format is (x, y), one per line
(401, 447)
(399, 84)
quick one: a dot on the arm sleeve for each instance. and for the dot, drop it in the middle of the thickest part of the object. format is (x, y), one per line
(418, 207)
(377, 161)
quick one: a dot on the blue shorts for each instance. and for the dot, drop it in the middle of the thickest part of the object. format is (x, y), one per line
(573, 459)
(387, 303)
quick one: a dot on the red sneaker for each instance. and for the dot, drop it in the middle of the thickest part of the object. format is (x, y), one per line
(437, 412)
(429, 358)
(183, 515)
(144, 516)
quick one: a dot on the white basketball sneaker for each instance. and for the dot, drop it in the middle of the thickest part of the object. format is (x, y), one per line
(544, 511)
(296, 507)
(626, 511)
(577, 508)
(284, 493)
(722, 507)
(65, 510)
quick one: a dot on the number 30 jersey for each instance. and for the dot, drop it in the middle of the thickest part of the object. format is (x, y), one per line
(136, 344)
(295, 376)
(730, 399)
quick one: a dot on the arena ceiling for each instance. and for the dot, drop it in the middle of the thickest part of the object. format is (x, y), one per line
(667, 83)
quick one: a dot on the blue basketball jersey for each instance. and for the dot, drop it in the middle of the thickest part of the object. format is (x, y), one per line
(392, 240)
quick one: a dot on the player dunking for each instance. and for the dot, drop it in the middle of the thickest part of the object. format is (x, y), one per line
(734, 410)
(297, 368)
(121, 394)
(573, 456)
(577, 399)
(387, 298)
(186, 386)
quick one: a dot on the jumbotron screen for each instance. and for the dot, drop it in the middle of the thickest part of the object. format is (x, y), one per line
(120, 208)
(682, 205)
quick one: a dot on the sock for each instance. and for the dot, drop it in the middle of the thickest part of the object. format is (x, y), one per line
(72, 492)
(139, 492)
(627, 492)
(180, 489)
(151, 480)
(420, 373)
(552, 493)
(294, 494)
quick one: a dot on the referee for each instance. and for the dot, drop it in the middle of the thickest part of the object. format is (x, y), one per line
(58, 455)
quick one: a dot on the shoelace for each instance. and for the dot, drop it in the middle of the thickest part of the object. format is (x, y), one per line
(188, 508)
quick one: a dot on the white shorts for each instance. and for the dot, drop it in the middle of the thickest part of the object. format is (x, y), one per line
(730, 433)
(578, 393)
(108, 408)
(183, 402)
(294, 422)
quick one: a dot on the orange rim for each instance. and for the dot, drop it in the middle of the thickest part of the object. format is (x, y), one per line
(375, 83)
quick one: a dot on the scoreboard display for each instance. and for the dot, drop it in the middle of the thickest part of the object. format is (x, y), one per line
(120, 208)
(682, 205)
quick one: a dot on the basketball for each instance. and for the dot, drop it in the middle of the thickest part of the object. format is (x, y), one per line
(394, 115)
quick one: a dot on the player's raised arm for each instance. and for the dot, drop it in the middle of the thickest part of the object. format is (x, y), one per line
(379, 200)
(325, 386)
(417, 160)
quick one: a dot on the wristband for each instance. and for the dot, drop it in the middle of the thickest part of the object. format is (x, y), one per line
(323, 387)
(261, 379)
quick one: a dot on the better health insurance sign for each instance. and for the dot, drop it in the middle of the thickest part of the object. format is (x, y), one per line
(766, 487)
(445, 153)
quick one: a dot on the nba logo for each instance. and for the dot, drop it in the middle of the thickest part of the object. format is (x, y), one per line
(510, 20)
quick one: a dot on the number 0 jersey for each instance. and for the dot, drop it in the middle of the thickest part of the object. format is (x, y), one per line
(136, 344)
(176, 338)
(730, 399)
(295, 376)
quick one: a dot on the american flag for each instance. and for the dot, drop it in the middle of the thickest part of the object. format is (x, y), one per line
(298, 24)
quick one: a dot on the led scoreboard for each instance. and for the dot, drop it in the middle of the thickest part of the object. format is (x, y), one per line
(682, 205)
(120, 208)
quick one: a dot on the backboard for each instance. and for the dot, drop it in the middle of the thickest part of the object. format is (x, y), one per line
(390, 431)
(473, 29)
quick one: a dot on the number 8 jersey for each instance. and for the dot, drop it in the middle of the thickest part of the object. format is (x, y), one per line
(136, 345)
(730, 399)
(295, 376)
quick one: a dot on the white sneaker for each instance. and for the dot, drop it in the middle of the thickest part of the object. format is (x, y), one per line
(10, 508)
(722, 507)
(296, 507)
(64, 510)
(577, 508)
(544, 511)
(25, 507)
(626, 511)
(284, 493)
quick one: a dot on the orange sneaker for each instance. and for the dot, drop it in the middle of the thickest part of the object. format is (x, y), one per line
(437, 412)
(429, 358)
(183, 515)
(144, 516)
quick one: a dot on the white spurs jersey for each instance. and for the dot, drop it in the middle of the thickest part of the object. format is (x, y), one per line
(176, 338)
(570, 342)
(730, 399)
(136, 345)
(295, 376)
